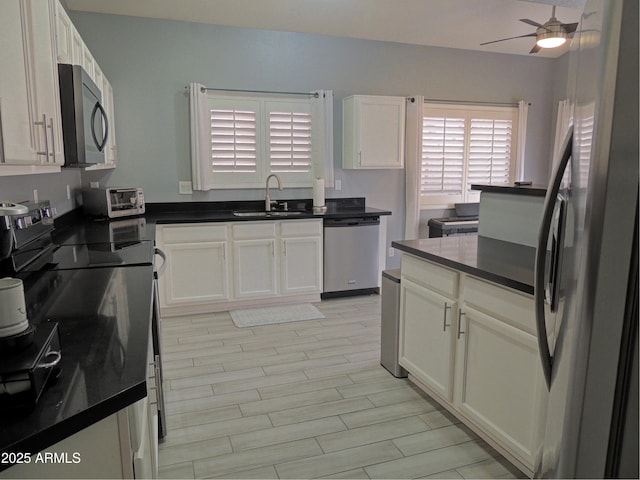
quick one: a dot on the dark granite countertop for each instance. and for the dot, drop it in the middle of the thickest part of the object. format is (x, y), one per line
(103, 316)
(505, 263)
(530, 190)
(195, 212)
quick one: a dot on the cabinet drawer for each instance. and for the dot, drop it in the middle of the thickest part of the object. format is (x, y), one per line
(193, 233)
(428, 274)
(301, 228)
(255, 230)
(512, 307)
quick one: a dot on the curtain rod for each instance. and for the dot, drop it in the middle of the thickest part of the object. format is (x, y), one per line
(462, 102)
(206, 89)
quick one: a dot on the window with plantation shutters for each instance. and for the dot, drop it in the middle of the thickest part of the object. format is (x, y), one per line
(290, 129)
(233, 140)
(465, 145)
(252, 137)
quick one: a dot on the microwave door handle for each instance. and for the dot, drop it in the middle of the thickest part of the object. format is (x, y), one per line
(97, 107)
(541, 257)
(105, 122)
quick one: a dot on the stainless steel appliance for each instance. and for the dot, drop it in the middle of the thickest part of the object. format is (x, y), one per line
(157, 345)
(113, 202)
(350, 256)
(586, 282)
(29, 354)
(31, 236)
(85, 128)
(390, 323)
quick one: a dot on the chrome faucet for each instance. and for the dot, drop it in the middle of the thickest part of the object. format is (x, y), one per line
(267, 198)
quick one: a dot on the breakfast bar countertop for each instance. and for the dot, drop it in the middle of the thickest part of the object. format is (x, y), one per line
(505, 263)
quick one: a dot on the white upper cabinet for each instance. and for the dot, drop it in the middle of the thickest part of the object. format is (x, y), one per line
(30, 123)
(373, 132)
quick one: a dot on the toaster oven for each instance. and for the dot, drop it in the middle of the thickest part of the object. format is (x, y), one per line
(113, 202)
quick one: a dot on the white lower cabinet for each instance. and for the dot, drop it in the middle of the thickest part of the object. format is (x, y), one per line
(498, 384)
(254, 268)
(427, 315)
(197, 270)
(213, 267)
(471, 345)
(301, 256)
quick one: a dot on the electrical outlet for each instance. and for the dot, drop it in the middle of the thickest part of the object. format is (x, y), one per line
(68, 192)
(35, 195)
(392, 251)
(338, 184)
(185, 188)
(94, 184)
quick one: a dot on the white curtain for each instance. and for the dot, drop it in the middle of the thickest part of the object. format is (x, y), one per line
(523, 113)
(322, 135)
(412, 165)
(200, 138)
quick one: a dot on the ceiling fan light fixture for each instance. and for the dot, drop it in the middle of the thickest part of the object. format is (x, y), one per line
(551, 34)
(551, 40)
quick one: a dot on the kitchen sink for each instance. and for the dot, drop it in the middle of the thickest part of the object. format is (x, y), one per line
(266, 214)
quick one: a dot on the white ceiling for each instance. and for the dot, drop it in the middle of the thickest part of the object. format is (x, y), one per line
(460, 24)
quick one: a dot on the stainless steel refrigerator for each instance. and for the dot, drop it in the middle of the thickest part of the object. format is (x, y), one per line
(587, 259)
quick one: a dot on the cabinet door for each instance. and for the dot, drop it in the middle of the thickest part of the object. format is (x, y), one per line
(196, 273)
(301, 265)
(18, 112)
(46, 81)
(374, 132)
(254, 268)
(427, 337)
(499, 381)
(64, 35)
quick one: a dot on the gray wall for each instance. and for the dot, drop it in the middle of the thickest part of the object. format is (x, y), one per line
(149, 62)
(52, 186)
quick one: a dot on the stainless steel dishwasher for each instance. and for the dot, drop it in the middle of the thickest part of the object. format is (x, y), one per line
(351, 256)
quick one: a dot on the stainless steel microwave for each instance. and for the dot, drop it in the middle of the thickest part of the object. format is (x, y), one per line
(85, 128)
(113, 202)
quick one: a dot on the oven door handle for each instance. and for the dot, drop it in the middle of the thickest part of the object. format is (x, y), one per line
(160, 271)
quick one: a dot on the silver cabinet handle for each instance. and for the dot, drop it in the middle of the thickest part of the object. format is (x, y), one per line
(460, 314)
(57, 356)
(53, 141)
(46, 137)
(447, 307)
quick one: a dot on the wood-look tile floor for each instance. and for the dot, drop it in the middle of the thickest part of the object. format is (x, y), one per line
(305, 400)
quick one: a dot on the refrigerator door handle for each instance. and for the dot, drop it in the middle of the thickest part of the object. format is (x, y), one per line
(541, 256)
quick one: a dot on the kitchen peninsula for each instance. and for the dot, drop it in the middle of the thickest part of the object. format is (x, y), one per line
(467, 330)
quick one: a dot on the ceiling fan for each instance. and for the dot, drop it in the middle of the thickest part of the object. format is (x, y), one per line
(551, 34)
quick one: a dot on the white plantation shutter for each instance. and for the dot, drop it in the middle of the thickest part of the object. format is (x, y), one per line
(290, 141)
(233, 140)
(463, 145)
(442, 155)
(490, 151)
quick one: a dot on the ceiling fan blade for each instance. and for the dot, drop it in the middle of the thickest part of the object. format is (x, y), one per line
(535, 49)
(530, 22)
(510, 38)
(570, 27)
